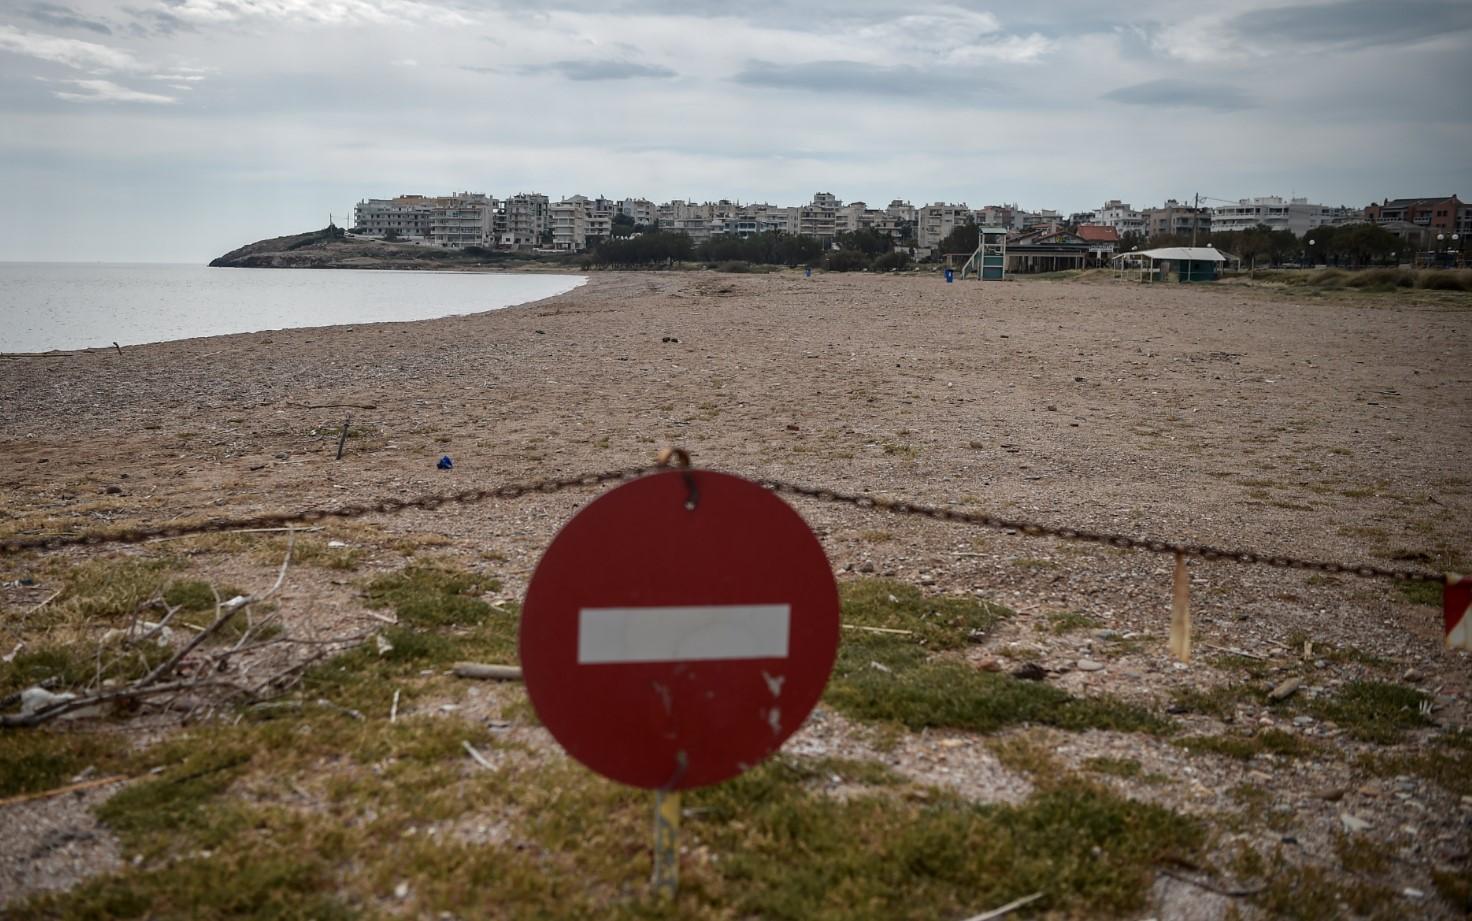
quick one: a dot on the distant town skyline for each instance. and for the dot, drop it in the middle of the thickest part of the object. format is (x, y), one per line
(174, 130)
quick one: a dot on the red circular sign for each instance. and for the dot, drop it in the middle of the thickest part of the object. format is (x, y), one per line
(670, 647)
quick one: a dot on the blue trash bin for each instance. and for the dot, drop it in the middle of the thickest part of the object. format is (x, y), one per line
(950, 275)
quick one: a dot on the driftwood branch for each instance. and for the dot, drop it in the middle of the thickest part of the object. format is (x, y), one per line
(893, 630)
(487, 672)
(159, 540)
(58, 791)
(1006, 909)
(479, 758)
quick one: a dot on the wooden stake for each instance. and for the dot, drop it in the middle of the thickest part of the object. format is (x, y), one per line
(342, 439)
(666, 878)
(1180, 615)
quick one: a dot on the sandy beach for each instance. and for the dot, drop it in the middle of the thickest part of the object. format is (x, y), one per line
(1331, 427)
(1100, 405)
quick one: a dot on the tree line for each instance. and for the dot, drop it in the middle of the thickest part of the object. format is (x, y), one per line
(1344, 245)
(856, 250)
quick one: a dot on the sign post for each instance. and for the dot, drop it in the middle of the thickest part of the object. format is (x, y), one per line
(666, 876)
(676, 632)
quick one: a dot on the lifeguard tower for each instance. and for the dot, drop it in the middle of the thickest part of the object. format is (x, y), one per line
(989, 262)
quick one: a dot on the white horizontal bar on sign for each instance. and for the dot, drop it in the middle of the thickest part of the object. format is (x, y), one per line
(682, 634)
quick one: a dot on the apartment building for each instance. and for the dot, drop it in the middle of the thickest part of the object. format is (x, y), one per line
(404, 216)
(579, 222)
(569, 221)
(1295, 214)
(857, 215)
(902, 211)
(523, 221)
(1178, 219)
(1029, 220)
(765, 218)
(999, 216)
(1438, 215)
(641, 210)
(819, 218)
(1120, 216)
(937, 220)
(461, 219)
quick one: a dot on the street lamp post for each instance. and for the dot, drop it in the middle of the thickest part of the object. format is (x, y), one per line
(1311, 261)
(1445, 245)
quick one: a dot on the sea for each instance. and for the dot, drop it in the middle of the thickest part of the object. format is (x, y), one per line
(57, 305)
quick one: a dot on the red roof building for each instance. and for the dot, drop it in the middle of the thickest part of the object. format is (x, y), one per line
(1103, 240)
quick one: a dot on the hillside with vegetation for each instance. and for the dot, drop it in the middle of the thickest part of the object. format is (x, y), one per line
(333, 248)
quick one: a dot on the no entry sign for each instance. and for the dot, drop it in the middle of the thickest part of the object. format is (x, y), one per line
(671, 647)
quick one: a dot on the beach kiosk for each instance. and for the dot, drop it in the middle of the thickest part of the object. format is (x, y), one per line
(1172, 263)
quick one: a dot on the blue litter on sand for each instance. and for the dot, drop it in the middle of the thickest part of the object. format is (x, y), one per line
(445, 463)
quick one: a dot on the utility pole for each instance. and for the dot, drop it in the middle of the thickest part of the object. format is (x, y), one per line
(1195, 219)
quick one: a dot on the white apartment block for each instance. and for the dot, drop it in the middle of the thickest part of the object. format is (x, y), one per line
(672, 212)
(820, 217)
(464, 219)
(1008, 216)
(405, 217)
(856, 216)
(1027, 220)
(1120, 216)
(523, 221)
(902, 211)
(1295, 214)
(937, 221)
(764, 218)
(579, 222)
(641, 210)
(453, 221)
(570, 224)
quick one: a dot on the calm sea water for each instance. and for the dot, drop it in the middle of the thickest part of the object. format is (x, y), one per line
(75, 305)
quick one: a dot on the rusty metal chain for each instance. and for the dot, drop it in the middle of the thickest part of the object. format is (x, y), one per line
(428, 502)
(1120, 541)
(679, 458)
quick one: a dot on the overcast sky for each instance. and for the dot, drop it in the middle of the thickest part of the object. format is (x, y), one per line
(173, 130)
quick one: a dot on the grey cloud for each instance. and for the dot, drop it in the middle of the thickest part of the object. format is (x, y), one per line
(814, 11)
(1356, 23)
(603, 70)
(1218, 97)
(157, 22)
(63, 17)
(859, 78)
